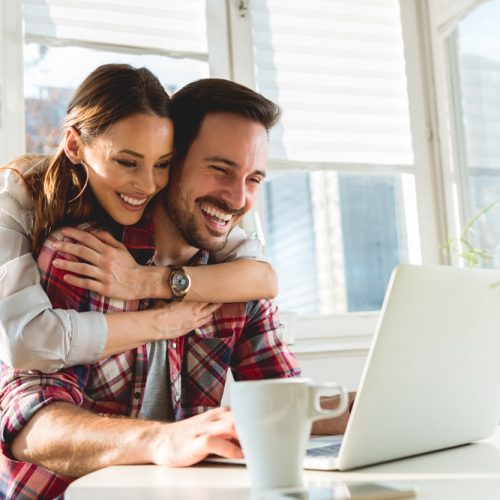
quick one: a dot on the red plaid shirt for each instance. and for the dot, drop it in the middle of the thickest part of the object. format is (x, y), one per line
(245, 338)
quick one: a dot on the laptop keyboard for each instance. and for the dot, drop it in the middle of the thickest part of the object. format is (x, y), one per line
(331, 450)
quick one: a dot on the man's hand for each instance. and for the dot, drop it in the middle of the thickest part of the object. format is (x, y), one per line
(335, 425)
(73, 442)
(107, 267)
(190, 441)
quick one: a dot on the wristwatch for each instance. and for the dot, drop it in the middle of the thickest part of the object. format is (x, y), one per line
(179, 282)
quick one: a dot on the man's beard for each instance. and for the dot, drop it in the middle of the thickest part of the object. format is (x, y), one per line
(177, 209)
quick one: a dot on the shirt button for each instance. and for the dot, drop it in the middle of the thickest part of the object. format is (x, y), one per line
(137, 395)
(174, 345)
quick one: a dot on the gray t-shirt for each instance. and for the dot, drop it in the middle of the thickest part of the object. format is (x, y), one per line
(157, 402)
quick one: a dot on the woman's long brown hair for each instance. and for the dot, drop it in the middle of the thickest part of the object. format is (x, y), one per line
(109, 94)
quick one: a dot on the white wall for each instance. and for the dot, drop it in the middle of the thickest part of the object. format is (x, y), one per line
(343, 368)
(12, 131)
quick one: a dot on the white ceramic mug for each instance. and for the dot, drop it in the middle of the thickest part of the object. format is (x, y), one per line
(273, 419)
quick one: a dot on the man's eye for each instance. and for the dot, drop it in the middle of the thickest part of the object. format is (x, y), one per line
(218, 169)
(255, 180)
(126, 163)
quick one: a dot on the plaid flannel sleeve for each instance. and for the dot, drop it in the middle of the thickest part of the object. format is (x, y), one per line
(61, 294)
(260, 352)
(22, 394)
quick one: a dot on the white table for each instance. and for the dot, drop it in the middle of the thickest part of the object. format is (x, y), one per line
(469, 472)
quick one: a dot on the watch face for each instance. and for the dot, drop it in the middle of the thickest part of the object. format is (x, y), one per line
(180, 281)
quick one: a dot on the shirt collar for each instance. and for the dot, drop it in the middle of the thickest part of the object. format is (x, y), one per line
(200, 258)
(140, 239)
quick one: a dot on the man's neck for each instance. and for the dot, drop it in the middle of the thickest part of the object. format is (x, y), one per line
(171, 248)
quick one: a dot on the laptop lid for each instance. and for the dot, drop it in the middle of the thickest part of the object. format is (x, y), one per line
(432, 376)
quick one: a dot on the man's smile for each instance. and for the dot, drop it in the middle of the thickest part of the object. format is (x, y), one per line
(216, 215)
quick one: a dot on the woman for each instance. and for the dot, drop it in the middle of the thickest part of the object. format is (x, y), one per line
(119, 118)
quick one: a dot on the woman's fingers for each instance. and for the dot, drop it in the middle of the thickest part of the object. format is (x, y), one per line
(210, 307)
(81, 251)
(85, 238)
(85, 283)
(77, 268)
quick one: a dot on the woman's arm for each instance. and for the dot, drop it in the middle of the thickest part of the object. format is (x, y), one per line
(128, 326)
(111, 271)
(34, 335)
(128, 330)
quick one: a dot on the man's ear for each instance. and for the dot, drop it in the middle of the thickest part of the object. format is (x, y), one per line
(73, 145)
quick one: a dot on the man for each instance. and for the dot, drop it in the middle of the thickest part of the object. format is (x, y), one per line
(53, 426)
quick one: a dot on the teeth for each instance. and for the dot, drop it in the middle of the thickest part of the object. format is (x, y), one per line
(132, 201)
(216, 213)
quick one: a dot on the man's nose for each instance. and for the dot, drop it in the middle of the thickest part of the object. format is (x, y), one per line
(235, 194)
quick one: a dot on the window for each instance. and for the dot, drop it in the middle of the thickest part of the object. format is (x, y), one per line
(61, 48)
(342, 192)
(52, 73)
(474, 65)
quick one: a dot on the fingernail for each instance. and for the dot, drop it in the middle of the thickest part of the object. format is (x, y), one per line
(56, 262)
(56, 244)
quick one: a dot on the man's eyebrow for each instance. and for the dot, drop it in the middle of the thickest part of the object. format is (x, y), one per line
(221, 159)
(139, 155)
(231, 163)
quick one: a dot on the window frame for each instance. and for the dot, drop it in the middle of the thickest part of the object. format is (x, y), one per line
(450, 127)
(12, 137)
(428, 180)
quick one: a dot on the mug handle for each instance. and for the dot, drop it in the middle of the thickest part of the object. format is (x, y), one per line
(327, 389)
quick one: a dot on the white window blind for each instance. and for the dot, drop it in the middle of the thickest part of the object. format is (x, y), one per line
(337, 69)
(176, 28)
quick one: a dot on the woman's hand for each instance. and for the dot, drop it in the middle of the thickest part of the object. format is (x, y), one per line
(128, 330)
(108, 268)
(175, 319)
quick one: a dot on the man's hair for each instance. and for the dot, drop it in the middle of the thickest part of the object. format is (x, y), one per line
(196, 100)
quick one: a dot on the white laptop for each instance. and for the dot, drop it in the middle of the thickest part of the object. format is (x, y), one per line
(432, 376)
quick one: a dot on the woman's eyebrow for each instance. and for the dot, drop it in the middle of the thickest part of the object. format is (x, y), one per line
(131, 153)
(139, 155)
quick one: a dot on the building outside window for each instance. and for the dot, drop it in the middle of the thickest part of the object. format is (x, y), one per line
(474, 61)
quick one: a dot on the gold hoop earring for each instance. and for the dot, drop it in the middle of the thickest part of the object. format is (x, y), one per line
(85, 166)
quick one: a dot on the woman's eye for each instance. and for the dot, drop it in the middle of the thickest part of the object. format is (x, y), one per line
(127, 163)
(163, 164)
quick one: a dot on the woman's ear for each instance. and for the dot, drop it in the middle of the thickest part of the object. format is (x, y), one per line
(73, 145)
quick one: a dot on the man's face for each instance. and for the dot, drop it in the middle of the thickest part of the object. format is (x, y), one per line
(218, 180)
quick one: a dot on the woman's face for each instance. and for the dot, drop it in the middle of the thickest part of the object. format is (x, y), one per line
(129, 164)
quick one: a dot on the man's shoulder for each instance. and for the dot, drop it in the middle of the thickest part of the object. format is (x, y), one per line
(48, 253)
(244, 311)
(57, 234)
